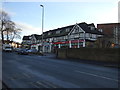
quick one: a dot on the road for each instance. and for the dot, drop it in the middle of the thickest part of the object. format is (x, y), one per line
(33, 71)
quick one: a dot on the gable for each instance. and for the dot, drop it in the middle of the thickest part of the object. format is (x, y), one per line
(33, 38)
(76, 29)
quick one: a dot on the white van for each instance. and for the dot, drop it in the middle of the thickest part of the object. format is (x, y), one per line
(7, 48)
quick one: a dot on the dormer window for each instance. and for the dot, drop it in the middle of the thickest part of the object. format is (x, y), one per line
(92, 28)
(67, 29)
(49, 33)
(57, 32)
(30, 37)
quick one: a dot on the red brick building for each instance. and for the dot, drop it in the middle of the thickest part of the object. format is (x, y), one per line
(111, 32)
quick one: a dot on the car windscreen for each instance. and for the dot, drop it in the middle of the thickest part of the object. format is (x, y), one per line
(8, 47)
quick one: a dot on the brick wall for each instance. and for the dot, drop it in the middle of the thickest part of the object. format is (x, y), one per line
(97, 54)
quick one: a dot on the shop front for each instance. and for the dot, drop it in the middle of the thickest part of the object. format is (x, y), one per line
(69, 44)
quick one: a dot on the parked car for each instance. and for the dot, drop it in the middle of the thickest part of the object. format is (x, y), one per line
(32, 51)
(7, 48)
(22, 51)
(17, 49)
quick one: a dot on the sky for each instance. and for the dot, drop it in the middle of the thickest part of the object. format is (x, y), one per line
(27, 14)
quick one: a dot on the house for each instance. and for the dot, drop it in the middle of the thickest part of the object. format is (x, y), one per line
(111, 33)
(26, 41)
(36, 41)
(12, 43)
(72, 36)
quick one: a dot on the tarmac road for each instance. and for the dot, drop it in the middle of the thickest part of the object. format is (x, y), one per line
(33, 71)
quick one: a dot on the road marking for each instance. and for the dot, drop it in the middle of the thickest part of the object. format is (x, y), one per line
(33, 84)
(25, 74)
(97, 75)
(41, 84)
(50, 84)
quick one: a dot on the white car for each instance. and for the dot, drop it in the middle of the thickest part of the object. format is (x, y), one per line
(7, 48)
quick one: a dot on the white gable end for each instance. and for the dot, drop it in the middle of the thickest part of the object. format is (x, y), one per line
(76, 29)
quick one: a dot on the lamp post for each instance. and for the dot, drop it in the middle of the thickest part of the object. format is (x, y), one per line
(42, 26)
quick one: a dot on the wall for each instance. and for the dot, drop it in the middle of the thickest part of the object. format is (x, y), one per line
(97, 54)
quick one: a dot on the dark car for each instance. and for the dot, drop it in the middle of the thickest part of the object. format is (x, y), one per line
(16, 49)
(22, 51)
(32, 51)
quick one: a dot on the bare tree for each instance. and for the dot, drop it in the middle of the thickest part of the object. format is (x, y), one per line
(8, 28)
(4, 18)
(15, 34)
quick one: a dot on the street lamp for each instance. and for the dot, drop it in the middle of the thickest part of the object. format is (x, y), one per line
(42, 24)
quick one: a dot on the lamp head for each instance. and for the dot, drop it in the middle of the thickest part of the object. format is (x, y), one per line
(41, 5)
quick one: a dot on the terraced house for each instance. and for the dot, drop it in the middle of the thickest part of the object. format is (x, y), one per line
(72, 36)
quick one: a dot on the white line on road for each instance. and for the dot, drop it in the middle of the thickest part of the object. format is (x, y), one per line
(97, 75)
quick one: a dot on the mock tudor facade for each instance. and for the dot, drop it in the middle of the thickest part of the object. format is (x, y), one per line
(73, 36)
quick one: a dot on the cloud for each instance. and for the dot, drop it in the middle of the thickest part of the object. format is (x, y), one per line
(28, 29)
(109, 16)
(60, 0)
(11, 14)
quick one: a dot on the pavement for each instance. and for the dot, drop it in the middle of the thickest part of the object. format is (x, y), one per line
(34, 71)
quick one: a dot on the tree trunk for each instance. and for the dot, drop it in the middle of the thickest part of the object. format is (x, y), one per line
(7, 37)
(2, 36)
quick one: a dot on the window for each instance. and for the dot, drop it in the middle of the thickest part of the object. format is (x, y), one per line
(76, 30)
(66, 37)
(54, 38)
(71, 36)
(94, 36)
(82, 35)
(76, 35)
(67, 29)
(49, 33)
(90, 35)
(57, 32)
(92, 28)
(50, 40)
(30, 37)
(100, 30)
(37, 40)
(87, 35)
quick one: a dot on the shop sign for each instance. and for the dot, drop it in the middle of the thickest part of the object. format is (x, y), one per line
(66, 42)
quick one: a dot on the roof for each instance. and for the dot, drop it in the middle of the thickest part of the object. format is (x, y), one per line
(64, 32)
(86, 28)
(26, 38)
(38, 37)
(109, 24)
